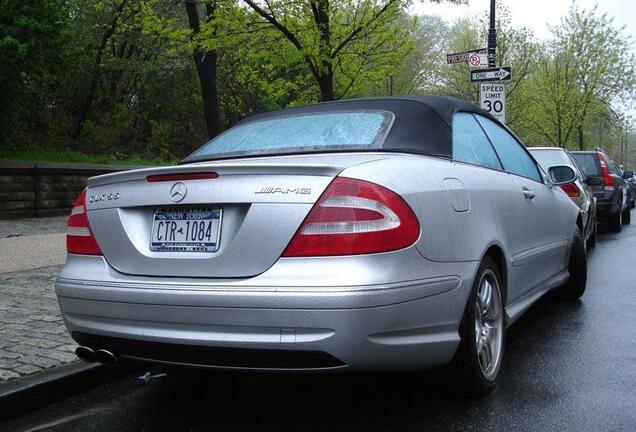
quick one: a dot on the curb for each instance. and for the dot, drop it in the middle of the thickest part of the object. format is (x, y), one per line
(22, 395)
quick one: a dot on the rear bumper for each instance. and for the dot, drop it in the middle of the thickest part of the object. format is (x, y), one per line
(403, 325)
(607, 206)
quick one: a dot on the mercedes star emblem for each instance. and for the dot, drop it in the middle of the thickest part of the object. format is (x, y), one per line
(178, 192)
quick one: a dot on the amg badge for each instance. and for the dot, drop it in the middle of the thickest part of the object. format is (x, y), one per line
(284, 190)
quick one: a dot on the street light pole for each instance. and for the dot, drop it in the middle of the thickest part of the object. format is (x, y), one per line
(492, 37)
(626, 146)
(623, 133)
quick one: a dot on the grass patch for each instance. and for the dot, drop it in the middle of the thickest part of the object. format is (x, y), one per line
(37, 154)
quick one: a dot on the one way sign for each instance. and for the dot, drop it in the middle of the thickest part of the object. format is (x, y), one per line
(492, 74)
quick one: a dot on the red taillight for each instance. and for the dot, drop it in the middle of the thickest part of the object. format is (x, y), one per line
(608, 182)
(355, 217)
(79, 237)
(571, 189)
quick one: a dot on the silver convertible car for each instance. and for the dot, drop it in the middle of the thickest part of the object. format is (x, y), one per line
(373, 234)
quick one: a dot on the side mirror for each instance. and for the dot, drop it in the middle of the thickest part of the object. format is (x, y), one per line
(561, 174)
(594, 181)
(628, 174)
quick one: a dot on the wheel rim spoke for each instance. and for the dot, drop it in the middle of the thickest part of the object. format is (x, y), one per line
(487, 352)
(485, 296)
(491, 335)
(477, 327)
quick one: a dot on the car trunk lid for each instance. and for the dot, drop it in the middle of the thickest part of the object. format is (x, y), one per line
(262, 201)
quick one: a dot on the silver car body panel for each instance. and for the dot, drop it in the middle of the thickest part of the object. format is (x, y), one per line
(539, 236)
(396, 310)
(368, 311)
(256, 227)
(586, 201)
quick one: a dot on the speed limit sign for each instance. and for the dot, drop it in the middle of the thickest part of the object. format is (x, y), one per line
(492, 98)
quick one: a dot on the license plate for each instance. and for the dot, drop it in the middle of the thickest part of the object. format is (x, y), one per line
(186, 229)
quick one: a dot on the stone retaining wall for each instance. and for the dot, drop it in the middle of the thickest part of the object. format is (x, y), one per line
(44, 189)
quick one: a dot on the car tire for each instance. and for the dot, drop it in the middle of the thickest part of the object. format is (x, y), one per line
(616, 221)
(479, 357)
(575, 286)
(627, 216)
(591, 242)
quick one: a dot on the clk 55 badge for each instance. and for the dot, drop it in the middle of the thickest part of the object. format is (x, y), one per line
(103, 197)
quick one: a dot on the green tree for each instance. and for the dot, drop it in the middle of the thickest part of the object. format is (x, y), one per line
(113, 14)
(464, 35)
(242, 65)
(33, 35)
(119, 82)
(423, 68)
(585, 68)
(205, 60)
(515, 48)
(341, 42)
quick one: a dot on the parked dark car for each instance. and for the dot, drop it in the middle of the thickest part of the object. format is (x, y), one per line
(615, 169)
(610, 189)
(579, 191)
(631, 182)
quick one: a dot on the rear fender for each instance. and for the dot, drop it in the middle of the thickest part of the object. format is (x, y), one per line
(449, 199)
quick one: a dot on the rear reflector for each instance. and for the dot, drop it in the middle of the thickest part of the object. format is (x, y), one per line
(571, 189)
(181, 177)
(79, 237)
(354, 217)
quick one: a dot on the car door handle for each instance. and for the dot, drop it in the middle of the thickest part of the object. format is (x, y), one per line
(528, 193)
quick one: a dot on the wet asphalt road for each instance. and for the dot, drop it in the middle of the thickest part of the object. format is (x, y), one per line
(568, 367)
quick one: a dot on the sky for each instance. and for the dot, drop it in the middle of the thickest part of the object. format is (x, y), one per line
(538, 15)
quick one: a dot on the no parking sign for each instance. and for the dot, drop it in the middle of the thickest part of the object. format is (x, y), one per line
(478, 60)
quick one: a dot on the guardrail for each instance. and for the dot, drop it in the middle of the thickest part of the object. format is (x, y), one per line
(44, 189)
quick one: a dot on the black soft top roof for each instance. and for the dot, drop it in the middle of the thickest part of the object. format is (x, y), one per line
(422, 124)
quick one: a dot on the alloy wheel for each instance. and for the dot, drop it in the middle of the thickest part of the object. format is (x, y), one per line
(489, 325)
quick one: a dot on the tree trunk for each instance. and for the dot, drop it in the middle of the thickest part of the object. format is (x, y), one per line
(581, 143)
(326, 87)
(206, 64)
(320, 11)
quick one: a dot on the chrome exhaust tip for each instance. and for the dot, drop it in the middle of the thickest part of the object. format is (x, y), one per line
(85, 353)
(106, 357)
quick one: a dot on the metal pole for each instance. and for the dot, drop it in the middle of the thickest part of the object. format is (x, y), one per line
(626, 144)
(492, 37)
(623, 146)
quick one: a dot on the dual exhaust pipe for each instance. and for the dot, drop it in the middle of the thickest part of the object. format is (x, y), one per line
(102, 356)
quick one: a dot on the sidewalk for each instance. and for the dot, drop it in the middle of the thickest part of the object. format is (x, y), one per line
(32, 243)
(32, 333)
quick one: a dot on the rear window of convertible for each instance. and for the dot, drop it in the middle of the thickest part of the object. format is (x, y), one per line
(351, 130)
